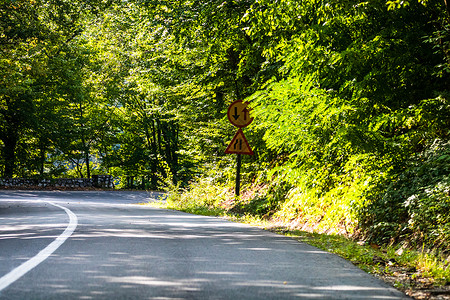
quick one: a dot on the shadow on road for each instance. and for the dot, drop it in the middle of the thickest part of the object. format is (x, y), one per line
(138, 252)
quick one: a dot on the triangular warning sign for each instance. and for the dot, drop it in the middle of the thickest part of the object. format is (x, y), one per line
(239, 144)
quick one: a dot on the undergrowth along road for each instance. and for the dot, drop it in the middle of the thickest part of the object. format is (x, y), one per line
(419, 274)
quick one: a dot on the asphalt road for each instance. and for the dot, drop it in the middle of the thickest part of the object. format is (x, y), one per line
(102, 245)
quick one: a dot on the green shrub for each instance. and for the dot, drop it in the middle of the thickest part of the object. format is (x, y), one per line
(416, 205)
(201, 197)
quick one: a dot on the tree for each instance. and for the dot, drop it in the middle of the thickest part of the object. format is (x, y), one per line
(358, 97)
(39, 47)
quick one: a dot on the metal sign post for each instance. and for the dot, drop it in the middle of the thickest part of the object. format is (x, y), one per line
(238, 175)
(239, 115)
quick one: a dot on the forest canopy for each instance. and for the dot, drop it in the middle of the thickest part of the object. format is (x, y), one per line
(351, 103)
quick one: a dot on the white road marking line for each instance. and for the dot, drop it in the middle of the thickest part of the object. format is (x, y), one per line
(27, 266)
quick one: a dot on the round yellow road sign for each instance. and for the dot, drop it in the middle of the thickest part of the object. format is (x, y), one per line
(239, 114)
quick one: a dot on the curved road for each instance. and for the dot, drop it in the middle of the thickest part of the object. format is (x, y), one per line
(101, 245)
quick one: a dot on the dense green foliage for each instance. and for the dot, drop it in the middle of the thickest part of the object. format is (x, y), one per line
(361, 95)
(351, 103)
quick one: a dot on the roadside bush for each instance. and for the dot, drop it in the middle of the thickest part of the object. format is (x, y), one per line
(331, 201)
(260, 200)
(416, 205)
(201, 197)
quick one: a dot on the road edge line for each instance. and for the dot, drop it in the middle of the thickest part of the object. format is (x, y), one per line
(27, 266)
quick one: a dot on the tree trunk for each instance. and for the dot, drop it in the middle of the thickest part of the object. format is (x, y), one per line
(175, 155)
(86, 160)
(86, 157)
(447, 7)
(10, 137)
(9, 155)
(84, 144)
(158, 128)
(41, 160)
(154, 162)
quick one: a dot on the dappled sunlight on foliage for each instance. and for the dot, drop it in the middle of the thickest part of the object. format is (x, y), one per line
(201, 197)
(415, 205)
(350, 101)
